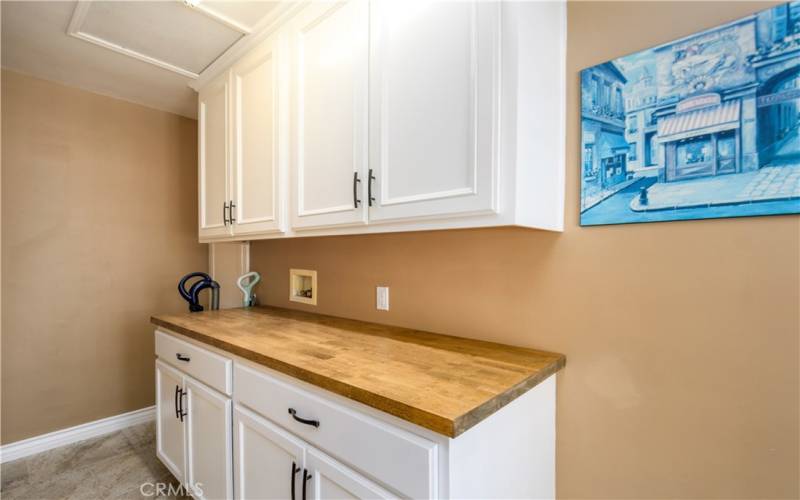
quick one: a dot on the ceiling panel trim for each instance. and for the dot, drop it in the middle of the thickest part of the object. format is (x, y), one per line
(220, 18)
(82, 10)
(260, 32)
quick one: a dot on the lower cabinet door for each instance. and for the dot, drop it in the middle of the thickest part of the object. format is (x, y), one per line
(269, 461)
(330, 479)
(169, 425)
(208, 442)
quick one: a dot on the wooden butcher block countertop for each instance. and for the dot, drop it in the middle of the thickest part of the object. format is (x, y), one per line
(443, 383)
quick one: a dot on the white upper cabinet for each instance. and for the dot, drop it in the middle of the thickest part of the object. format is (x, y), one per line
(329, 114)
(213, 159)
(433, 104)
(258, 172)
(388, 115)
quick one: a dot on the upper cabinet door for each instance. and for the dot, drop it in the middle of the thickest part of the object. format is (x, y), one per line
(434, 108)
(213, 159)
(329, 114)
(258, 170)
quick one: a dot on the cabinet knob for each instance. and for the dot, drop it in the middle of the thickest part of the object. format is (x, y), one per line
(182, 357)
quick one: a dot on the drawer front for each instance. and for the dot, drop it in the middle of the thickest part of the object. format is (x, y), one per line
(208, 367)
(393, 456)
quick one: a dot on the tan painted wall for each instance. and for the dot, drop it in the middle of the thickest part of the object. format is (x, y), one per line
(98, 223)
(681, 338)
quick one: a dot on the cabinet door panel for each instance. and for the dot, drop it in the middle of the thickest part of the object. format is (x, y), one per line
(169, 428)
(257, 172)
(329, 116)
(209, 447)
(267, 458)
(434, 108)
(213, 158)
(332, 480)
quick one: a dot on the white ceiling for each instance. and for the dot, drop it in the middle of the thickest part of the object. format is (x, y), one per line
(144, 52)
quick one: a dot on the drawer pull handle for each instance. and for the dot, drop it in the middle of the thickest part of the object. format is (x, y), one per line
(306, 421)
(306, 477)
(182, 357)
(295, 470)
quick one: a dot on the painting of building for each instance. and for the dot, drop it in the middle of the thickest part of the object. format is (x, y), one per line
(702, 127)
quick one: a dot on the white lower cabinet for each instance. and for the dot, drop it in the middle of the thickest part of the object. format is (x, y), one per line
(330, 479)
(208, 442)
(193, 433)
(268, 459)
(269, 436)
(272, 463)
(170, 442)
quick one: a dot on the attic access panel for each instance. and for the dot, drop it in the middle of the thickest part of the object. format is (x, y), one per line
(171, 35)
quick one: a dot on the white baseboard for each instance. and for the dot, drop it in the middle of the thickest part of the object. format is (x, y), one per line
(38, 444)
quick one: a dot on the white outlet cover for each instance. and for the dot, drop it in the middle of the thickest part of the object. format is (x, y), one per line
(382, 298)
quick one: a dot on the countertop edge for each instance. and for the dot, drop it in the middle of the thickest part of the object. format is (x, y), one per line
(483, 411)
(433, 422)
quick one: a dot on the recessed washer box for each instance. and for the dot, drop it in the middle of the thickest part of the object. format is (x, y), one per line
(303, 286)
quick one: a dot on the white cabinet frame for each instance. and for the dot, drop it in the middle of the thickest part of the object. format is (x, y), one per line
(480, 195)
(509, 171)
(353, 64)
(270, 52)
(211, 225)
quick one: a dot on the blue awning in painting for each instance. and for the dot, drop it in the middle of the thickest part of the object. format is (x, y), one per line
(611, 144)
(709, 120)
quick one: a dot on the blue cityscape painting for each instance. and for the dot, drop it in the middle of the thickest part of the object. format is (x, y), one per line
(703, 127)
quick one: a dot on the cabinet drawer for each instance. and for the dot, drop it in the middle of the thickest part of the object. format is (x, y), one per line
(208, 367)
(401, 460)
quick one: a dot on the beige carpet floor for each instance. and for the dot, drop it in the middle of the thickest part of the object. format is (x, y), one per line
(114, 466)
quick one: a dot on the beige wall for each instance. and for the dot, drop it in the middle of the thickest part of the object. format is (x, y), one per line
(681, 338)
(98, 223)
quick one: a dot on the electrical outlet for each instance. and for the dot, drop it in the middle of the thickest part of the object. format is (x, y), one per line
(382, 298)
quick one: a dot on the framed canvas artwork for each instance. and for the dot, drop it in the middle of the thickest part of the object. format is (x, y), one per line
(703, 127)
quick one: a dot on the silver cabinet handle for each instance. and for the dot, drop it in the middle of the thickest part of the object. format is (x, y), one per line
(356, 182)
(371, 178)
